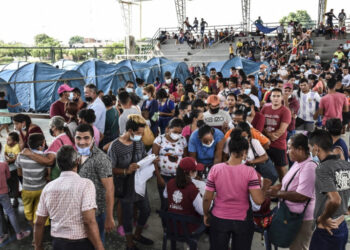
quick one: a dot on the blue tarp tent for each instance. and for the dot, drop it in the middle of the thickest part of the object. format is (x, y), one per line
(141, 70)
(249, 67)
(105, 76)
(161, 65)
(39, 96)
(264, 29)
(10, 95)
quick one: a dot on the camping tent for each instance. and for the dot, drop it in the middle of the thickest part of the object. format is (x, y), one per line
(249, 67)
(65, 64)
(161, 65)
(13, 65)
(105, 76)
(39, 96)
(10, 95)
(141, 70)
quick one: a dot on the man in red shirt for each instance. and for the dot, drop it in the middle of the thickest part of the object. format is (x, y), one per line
(333, 104)
(212, 82)
(277, 120)
(57, 108)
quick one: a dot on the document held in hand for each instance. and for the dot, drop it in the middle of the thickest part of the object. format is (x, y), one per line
(144, 173)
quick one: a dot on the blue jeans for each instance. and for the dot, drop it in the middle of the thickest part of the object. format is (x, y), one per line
(322, 240)
(128, 212)
(100, 219)
(6, 204)
(221, 230)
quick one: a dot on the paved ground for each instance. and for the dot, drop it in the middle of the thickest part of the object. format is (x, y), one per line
(113, 240)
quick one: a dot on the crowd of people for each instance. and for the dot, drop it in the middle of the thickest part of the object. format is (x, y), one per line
(223, 147)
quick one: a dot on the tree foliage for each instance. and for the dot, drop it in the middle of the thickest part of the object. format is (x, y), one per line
(112, 50)
(300, 16)
(76, 39)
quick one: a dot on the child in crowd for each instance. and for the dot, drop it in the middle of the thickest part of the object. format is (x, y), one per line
(4, 105)
(12, 149)
(6, 204)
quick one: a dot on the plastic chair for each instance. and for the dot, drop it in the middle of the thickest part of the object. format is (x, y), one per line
(175, 223)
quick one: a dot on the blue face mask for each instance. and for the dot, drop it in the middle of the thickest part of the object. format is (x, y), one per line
(129, 90)
(296, 81)
(247, 91)
(136, 138)
(83, 151)
(315, 158)
(145, 97)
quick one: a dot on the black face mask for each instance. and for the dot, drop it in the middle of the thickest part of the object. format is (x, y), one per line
(214, 111)
(76, 100)
(88, 99)
(51, 132)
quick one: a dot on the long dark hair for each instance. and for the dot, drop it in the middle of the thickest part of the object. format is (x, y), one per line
(182, 178)
(23, 118)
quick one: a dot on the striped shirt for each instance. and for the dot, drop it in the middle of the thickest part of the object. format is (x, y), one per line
(34, 174)
(307, 105)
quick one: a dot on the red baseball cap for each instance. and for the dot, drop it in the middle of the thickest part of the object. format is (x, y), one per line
(288, 85)
(213, 100)
(189, 164)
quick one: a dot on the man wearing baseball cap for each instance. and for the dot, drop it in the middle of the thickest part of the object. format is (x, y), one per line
(216, 117)
(183, 196)
(57, 108)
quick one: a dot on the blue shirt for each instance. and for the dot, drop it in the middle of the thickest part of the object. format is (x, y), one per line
(204, 155)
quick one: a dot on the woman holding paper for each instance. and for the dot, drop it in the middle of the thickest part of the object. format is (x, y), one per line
(124, 153)
(170, 147)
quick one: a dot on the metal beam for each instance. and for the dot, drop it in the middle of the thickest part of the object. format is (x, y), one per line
(180, 6)
(322, 6)
(126, 8)
(246, 15)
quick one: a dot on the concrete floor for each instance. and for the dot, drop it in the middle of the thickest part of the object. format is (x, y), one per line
(113, 240)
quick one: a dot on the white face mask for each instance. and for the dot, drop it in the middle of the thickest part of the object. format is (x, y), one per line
(136, 138)
(129, 90)
(174, 136)
(168, 81)
(208, 145)
(71, 96)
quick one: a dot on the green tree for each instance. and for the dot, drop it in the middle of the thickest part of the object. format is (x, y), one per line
(300, 16)
(76, 39)
(43, 40)
(113, 49)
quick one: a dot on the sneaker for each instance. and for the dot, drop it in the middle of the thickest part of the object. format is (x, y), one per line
(120, 231)
(3, 238)
(23, 234)
(144, 240)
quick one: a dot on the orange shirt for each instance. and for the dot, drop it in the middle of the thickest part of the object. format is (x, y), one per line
(256, 134)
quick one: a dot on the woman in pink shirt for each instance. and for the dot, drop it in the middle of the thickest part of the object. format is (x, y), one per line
(301, 190)
(233, 183)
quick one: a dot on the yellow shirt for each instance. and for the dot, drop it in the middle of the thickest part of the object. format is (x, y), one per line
(206, 89)
(12, 152)
(295, 42)
(231, 49)
(340, 55)
(239, 44)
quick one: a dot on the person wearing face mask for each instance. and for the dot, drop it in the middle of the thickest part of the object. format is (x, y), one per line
(332, 194)
(166, 109)
(150, 106)
(129, 87)
(183, 196)
(87, 116)
(62, 136)
(216, 117)
(205, 145)
(97, 105)
(170, 147)
(124, 153)
(95, 165)
(247, 89)
(229, 185)
(23, 124)
(57, 108)
(77, 98)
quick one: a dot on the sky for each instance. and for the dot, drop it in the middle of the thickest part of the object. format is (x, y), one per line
(21, 20)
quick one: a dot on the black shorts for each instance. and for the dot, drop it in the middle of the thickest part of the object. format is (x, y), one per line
(278, 156)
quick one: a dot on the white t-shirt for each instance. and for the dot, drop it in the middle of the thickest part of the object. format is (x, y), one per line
(255, 99)
(170, 154)
(346, 80)
(222, 96)
(260, 151)
(218, 119)
(307, 104)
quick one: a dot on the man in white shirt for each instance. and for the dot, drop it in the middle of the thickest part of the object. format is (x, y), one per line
(96, 105)
(346, 77)
(308, 101)
(246, 89)
(216, 117)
